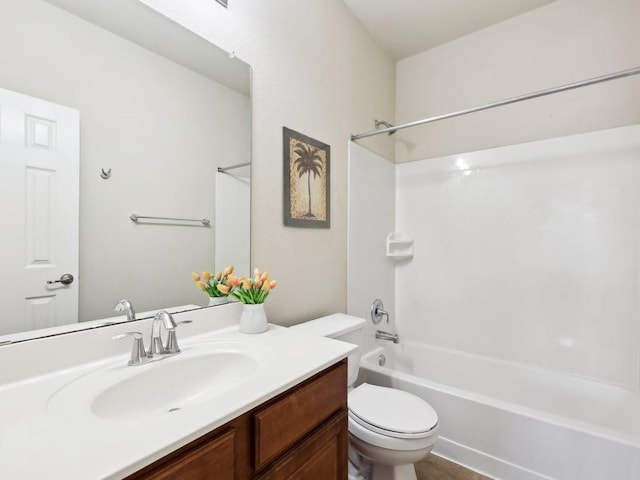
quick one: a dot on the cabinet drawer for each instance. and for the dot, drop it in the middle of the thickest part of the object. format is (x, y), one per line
(323, 455)
(211, 459)
(289, 418)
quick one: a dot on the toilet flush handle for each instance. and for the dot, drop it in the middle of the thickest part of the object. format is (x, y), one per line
(378, 311)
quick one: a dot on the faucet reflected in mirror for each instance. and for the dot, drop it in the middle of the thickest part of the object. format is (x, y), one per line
(144, 113)
(125, 306)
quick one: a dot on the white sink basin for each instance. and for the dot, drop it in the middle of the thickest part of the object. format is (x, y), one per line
(199, 373)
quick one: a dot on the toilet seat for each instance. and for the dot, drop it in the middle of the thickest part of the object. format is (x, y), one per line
(362, 435)
(392, 413)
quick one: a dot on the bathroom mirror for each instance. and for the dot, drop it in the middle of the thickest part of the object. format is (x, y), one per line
(159, 110)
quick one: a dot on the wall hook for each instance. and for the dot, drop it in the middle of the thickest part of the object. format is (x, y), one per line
(105, 175)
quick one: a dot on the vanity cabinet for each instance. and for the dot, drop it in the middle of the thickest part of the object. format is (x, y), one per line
(300, 434)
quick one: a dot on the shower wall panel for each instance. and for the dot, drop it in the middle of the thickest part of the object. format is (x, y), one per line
(527, 253)
(371, 219)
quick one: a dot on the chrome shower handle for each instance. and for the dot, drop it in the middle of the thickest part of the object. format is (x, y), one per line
(378, 311)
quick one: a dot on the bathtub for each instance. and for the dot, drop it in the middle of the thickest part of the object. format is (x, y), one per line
(513, 422)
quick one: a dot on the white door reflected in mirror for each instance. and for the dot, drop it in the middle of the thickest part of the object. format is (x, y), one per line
(39, 162)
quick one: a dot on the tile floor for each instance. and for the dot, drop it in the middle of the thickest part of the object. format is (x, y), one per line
(437, 468)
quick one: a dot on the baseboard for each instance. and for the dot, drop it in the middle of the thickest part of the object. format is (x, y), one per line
(482, 463)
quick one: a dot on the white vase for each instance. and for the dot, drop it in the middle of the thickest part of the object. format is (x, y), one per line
(218, 300)
(253, 318)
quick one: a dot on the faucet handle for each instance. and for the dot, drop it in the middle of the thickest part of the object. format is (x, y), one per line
(138, 353)
(172, 341)
(378, 311)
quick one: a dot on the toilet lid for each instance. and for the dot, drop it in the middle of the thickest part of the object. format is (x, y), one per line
(391, 412)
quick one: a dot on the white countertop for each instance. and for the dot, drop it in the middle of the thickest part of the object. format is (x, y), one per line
(45, 443)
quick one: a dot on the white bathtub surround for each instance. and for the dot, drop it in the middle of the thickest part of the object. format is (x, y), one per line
(43, 438)
(232, 225)
(528, 253)
(525, 266)
(371, 273)
(514, 422)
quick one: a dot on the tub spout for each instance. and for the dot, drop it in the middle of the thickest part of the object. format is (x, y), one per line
(393, 337)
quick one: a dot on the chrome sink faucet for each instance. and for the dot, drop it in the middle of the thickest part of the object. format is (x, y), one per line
(157, 350)
(387, 336)
(160, 319)
(125, 306)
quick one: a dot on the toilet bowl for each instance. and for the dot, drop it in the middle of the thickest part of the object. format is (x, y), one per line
(389, 429)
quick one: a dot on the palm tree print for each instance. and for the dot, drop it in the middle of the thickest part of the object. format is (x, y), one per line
(308, 162)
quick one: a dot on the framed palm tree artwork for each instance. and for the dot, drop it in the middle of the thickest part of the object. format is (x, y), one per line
(306, 181)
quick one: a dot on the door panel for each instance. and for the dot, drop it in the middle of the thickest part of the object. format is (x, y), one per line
(39, 203)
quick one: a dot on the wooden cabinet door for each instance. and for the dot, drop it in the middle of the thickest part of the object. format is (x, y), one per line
(287, 420)
(322, 456)
(213, 459)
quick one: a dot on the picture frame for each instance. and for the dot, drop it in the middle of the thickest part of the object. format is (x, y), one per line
(306, 178)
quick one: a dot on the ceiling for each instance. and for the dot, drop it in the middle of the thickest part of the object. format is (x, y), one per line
(407, 27)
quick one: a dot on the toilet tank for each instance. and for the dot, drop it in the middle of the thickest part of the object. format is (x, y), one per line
(340, 326)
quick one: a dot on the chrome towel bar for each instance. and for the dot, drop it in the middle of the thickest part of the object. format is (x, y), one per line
(204, 221)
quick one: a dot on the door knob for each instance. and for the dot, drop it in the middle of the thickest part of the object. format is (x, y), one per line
(65, 279)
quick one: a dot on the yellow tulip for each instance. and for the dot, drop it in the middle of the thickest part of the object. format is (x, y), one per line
(228, 270)
(200, 285)
(266, 285)
(223, 288)
(195, 276)
(264, 275)
(246, 283)
(206, 276)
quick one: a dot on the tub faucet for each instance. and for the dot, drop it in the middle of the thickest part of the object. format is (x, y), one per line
(125, 306)
(393, 337)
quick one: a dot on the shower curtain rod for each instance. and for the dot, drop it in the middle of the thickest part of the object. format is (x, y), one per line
(500, 103)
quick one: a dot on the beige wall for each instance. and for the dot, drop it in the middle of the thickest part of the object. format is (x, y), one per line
(566, 41)
(315, 70)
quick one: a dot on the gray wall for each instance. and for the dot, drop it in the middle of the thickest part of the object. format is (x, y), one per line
(161, 128)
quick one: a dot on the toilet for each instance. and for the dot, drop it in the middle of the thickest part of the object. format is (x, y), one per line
(389, 429)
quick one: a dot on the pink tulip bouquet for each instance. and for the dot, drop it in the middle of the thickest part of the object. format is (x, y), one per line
(252, 290)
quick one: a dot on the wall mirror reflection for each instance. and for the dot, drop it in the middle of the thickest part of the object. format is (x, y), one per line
(108, 109)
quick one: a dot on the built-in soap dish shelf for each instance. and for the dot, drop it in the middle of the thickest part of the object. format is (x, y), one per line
(399, 246)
